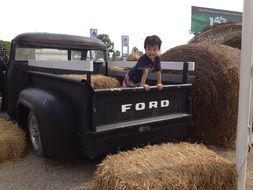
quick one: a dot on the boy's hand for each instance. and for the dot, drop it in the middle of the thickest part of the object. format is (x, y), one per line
(146, 87)
(159, 86)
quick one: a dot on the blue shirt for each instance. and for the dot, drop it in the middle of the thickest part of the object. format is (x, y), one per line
(144, 62)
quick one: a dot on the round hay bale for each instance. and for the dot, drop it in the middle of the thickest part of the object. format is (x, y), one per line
(224, 33)
(214, 91)
(98, 81)
(180, 166)
(133, 57)
(12, 141)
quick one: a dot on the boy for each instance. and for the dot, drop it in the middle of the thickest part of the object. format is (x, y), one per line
(137, 76)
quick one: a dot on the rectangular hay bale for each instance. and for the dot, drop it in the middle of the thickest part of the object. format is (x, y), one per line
(12, 141)
(98, 81)
(180, 166)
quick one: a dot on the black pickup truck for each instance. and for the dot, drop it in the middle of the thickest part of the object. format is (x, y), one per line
(64, 115)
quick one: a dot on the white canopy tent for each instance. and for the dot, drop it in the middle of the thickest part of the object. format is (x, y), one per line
(244, 130)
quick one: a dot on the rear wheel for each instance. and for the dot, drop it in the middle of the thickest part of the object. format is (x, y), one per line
(34, 134)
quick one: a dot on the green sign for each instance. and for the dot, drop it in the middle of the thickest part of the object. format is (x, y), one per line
(205, 17)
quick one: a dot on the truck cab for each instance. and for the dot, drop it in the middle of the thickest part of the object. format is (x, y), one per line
(42, 47)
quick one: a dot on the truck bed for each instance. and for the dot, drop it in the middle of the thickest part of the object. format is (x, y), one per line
(119, 118)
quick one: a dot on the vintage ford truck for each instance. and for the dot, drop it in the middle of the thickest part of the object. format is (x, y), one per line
(63, 115)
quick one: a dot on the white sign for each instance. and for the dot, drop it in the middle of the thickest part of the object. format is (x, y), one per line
(93, 33)
(125, 40)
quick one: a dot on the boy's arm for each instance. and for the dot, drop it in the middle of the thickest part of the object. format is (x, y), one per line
(159, 80)
(143, 80)
(158, 77)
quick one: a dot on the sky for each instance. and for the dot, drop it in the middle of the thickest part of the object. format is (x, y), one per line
(170, 20)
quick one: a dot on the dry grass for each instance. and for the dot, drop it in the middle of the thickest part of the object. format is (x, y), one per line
(133, 57)
(181, 166)
(98, 81)
(12, 141)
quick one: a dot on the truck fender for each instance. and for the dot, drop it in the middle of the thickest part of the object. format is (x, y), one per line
(55, 116)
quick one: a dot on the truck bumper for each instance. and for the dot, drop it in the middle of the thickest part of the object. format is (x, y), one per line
(95, 144)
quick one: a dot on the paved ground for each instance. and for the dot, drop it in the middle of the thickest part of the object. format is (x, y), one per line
(74, 173)
(33, 172)
(230, 155)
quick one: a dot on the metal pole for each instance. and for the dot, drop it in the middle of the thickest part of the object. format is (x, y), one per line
(242, 139)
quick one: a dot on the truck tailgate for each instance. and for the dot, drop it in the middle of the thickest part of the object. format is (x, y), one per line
(128, 107)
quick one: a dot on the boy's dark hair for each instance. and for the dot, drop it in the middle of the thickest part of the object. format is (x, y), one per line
(152, 41)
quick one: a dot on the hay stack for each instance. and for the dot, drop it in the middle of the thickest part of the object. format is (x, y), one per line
(181, 166)
(115, 68)
(214, 91)
(133, 57)
(12, 141)
(225, 33)
(98, 81)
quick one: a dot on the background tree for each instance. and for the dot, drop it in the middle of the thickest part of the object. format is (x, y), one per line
(116, 55)
(7, 46)
(136, 50)
(109, 44)
(107, 41)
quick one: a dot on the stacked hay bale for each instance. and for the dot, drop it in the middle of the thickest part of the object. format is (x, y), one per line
(98, 81)
(12, 141)
(114, 68)
(214, 91)
(133, 57)
(224, 33)
(168, 166)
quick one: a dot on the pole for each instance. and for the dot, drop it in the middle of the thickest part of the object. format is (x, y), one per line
(244, 117)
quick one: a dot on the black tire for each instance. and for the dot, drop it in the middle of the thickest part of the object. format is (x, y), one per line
(34, 135)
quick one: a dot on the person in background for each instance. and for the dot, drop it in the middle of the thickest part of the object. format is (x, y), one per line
(149, 61)
(3, 57)
(3, 62)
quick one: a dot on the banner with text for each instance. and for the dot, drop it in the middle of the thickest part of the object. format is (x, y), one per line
(206, 17)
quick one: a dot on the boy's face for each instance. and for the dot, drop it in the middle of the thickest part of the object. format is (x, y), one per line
(152, 51)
